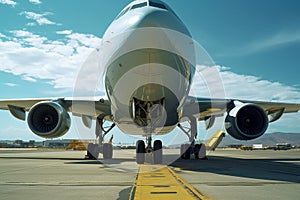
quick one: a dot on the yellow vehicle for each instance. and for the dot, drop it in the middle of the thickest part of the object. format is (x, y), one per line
(246, 148)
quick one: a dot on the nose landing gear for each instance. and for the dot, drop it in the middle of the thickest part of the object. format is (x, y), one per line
(149, 154)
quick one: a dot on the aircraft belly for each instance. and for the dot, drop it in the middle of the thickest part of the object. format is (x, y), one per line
(128, 127)
(147, 75)
(143, 67)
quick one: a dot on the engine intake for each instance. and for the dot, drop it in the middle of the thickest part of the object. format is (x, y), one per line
(48, 120)
(246, 122)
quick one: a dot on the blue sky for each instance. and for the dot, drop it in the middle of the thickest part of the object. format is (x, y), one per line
(43, 43)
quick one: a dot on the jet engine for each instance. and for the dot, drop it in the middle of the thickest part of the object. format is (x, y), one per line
(246, 122)
(48, 120)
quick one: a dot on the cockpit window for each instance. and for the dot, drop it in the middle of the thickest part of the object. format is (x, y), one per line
(140, 5)
(123, 12)
(157, 5)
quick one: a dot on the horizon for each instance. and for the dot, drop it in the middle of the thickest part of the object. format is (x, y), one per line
(132, 142)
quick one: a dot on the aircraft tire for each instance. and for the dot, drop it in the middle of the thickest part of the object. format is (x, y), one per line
(197, 150)
(140, 152)
(188, 153)
(157, 154)
(107, 151)
(92, 151)
(185, 151)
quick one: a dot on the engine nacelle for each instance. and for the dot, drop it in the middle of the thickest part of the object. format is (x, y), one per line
(246, 122)
(48, 120)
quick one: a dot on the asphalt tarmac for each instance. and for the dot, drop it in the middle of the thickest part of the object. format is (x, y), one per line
(227, 174)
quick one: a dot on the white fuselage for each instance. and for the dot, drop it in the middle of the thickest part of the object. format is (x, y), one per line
(149, 69)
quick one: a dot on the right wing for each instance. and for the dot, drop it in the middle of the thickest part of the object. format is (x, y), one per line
(203, 108)
(245, 119)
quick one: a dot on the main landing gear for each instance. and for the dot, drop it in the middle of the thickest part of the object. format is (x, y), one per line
(143, 151)
(186, 150)
(106, 149)
(147, 152)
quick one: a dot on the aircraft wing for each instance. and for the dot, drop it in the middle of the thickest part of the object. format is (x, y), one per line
(25, 104)
(89, 107)
(205, 108)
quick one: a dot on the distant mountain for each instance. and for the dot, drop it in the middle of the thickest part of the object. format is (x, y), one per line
(269, 139)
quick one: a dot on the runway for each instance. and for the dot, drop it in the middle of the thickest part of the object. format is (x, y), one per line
(228, 174)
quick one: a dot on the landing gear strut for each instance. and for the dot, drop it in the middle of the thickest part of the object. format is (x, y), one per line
(155, 152)
(105, 148)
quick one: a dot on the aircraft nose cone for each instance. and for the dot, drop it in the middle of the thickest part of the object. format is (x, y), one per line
(161, 19)
(150, 20)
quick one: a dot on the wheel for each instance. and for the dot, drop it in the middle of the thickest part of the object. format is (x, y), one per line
(89, 151)
(185, 151)
(188, 152)
(140, 152)
(182, 151)
(107, 151)
(202, 152)
(197, 150)
(92, 151)
(157, 155)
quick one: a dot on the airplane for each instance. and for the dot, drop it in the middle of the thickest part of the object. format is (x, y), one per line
(148, 61)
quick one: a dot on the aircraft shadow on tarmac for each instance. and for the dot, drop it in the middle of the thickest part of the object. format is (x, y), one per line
(264, 169)
(124, 194)
(101, 161)
(74, 160)
(37, 158)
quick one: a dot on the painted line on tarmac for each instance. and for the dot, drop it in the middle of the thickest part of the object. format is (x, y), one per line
(161, 182)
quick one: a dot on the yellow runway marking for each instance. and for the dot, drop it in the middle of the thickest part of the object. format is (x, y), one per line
(161, 182)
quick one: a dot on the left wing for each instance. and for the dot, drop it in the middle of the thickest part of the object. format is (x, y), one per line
(25, 104)
(91, 107)
(49, 118)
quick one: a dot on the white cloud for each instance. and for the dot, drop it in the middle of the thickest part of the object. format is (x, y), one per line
(34, 57)
(255, 88)
(22, 33)
(28, 78)
(40, 19)
(8, 2)
(65, 32)
(238, 86)
(11, 84)
(272, 41)
(2, 36)
(31, 24)
(27, 38)
(35, 1)
(84, 39)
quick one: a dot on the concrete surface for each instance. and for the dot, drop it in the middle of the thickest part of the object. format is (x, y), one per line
(237, 174)
(228, 174)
